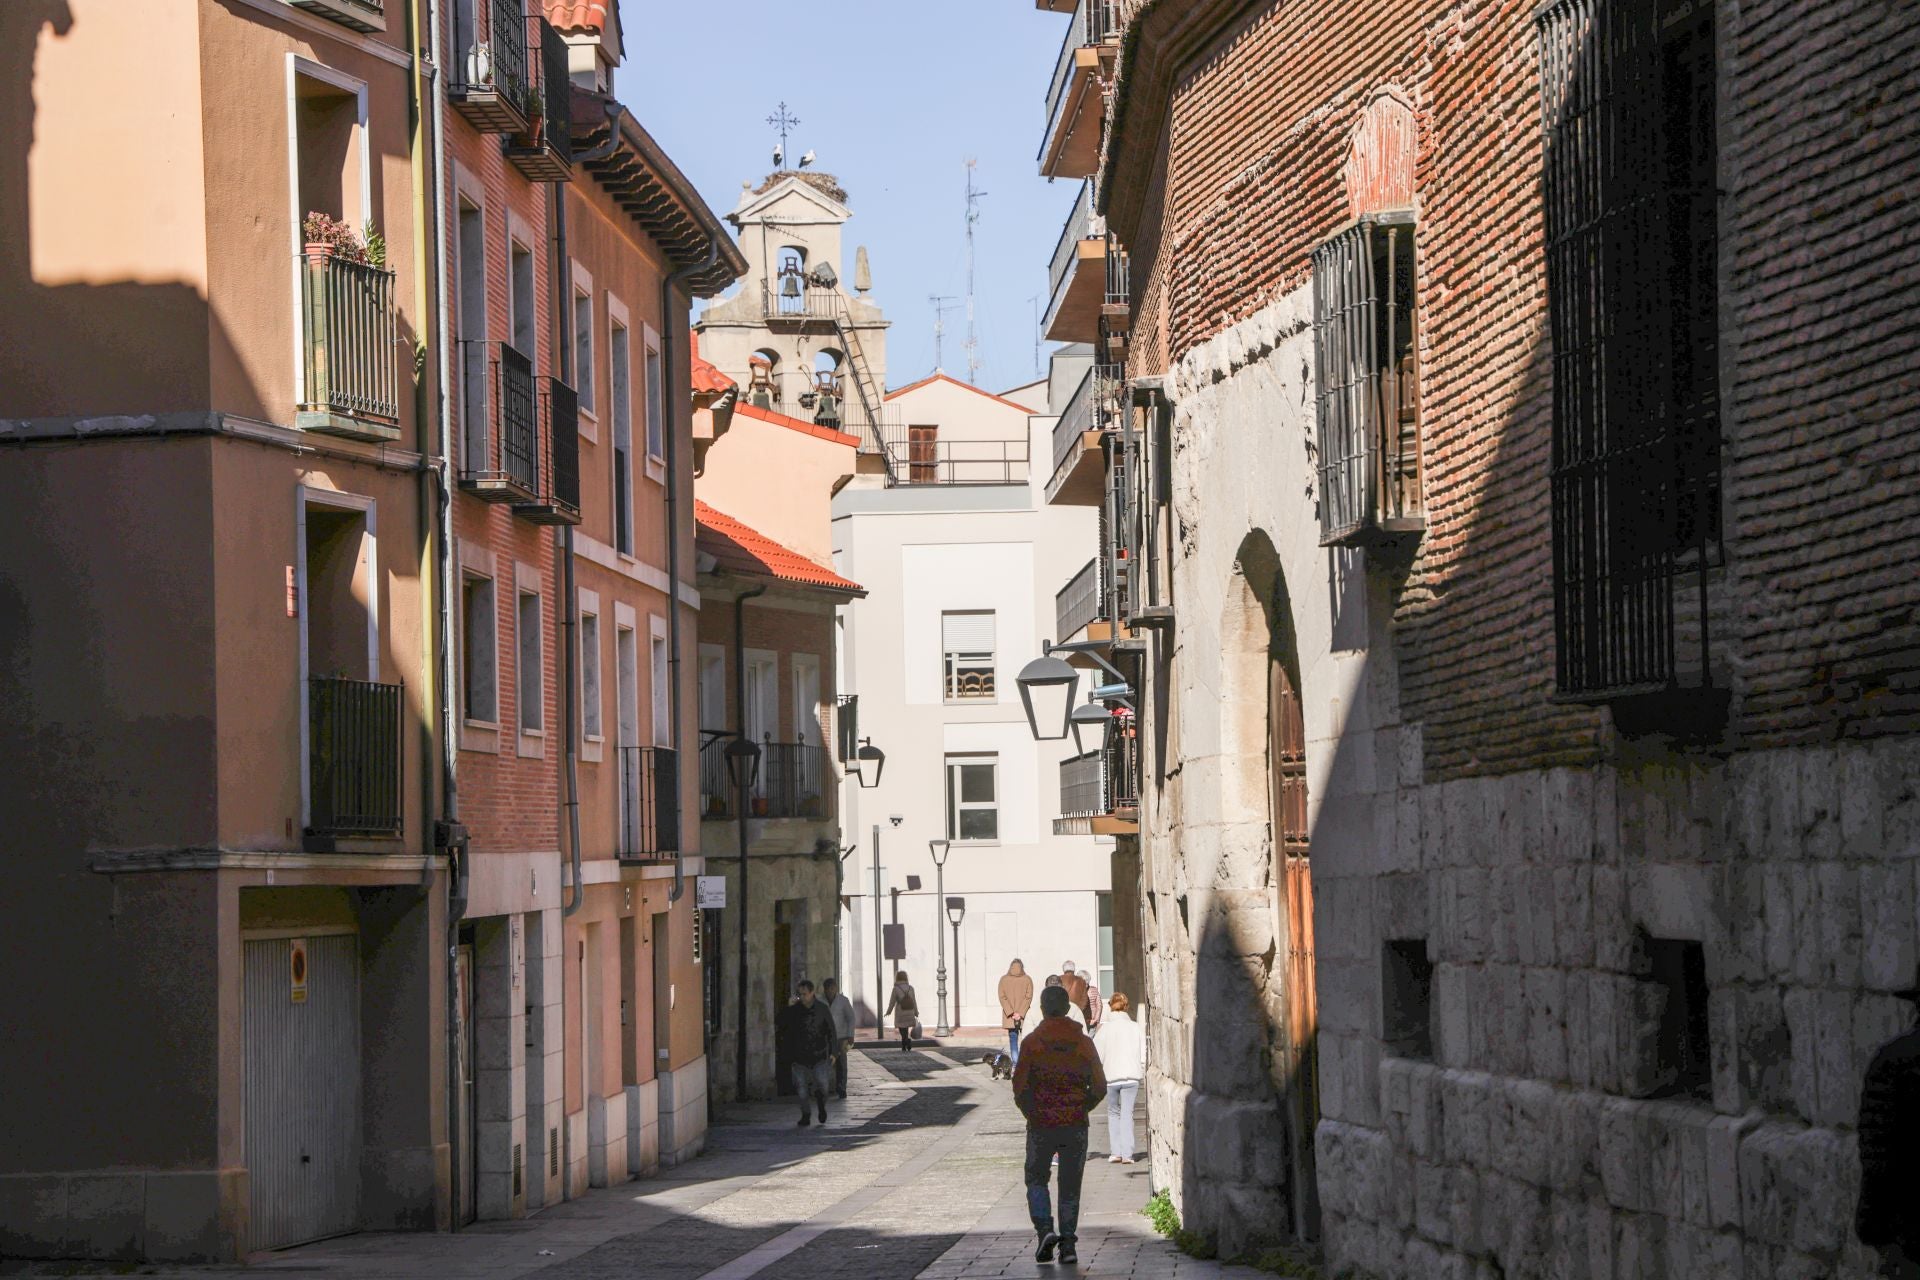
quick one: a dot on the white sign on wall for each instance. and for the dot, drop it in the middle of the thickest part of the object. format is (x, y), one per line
(710, 891)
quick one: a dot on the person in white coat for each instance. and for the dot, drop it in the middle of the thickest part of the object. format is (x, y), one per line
(1123, 1057)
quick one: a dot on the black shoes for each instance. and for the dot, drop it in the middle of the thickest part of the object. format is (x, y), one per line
(1048, 1243)
(1068, 1255)
(823, 1111)
(805, 1120)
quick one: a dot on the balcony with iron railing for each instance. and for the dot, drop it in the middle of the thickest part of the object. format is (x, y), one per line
(543, 148)
(1078, 605)
(794, 780)
(501, 462)
(1091, 412)
(1099, 789)
(353, 758)
(488, 82)
(1077, 277)
(1070, 147)
(957, 462)
(557, 500)
(350, 348)
(649, 817)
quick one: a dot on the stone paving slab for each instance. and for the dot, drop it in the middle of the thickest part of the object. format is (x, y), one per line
(917, 1173)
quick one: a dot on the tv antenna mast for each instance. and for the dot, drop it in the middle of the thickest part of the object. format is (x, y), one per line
(1034, 302)
(941, 303)
(973, 216)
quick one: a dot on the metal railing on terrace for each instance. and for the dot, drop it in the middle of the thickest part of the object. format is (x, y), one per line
(649, 802)
(353, 757)
(1077, 604)
(502, 453)
(1081, 792)
(1094, 21)
(1082, 224)
(795, 780)
(1090, 408)
(911, 462)
(350, 334)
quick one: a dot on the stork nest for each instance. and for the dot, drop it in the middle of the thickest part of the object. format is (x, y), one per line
(825, 183)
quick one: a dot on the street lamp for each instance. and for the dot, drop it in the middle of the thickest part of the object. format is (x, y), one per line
(956, 908)
(743, 770)
(1046, 690)
(939, 849)
(1090, 716)
(867, 763)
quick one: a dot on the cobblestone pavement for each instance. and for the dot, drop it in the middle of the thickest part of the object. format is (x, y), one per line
(916, 1174)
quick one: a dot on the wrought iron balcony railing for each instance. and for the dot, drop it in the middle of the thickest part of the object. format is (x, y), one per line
(795, 780)
(1093, 407)
(558, 500)
(502, 445)
(489, 81)
(1077, 605)
(1081, 792)
(1082, 224)
(350, 339)
(353, 757)
(543, 149)
(649, 802)
(1094, 22)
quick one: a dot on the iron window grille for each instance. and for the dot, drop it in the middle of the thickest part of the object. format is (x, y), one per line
(1632, 246)
(1366, 362)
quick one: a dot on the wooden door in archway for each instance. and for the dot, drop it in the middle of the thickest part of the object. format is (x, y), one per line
(1287, 760)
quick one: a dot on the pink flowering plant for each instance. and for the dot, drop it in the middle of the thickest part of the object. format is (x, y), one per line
(345, 242)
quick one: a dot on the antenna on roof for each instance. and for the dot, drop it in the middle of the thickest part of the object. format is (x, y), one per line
(1034, 302)
(973, 216)
(941, 303)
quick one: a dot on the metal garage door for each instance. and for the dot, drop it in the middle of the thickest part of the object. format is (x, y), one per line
(303, 1088)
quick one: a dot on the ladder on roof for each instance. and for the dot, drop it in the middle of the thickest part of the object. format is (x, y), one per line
(873, 440)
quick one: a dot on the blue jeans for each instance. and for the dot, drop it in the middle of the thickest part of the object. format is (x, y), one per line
(813, 1081)
(1013, 1044)
(1069, 1142)
(1121, 1095)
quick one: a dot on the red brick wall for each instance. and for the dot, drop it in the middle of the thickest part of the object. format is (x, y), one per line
(785, 630)
(1823, 419)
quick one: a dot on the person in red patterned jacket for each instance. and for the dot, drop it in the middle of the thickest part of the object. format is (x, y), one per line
(1056, 1085)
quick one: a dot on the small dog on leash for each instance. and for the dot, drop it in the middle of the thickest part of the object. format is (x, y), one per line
(1002, 1067)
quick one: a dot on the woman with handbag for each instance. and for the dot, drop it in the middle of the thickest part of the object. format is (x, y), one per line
(904, 1008)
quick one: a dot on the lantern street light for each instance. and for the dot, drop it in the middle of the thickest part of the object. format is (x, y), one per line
(742, 755)
(1046, 690)
(1090, 717)
(867, 764)
(956, 908)
(939, 849)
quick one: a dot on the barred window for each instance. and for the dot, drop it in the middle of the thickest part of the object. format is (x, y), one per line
(1632, 291)
(1367, 380)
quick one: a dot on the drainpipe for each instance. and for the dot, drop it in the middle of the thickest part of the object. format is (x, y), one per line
(740, 798)
(670, 328)
(449, 833)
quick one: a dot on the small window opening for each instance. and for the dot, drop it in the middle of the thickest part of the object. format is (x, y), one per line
(1406, 998)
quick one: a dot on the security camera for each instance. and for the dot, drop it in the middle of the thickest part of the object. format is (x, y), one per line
(897, 818)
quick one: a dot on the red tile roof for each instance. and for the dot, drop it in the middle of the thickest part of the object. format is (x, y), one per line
(579, 15)
(801, 425)
(965, 386)
(707, 377)
(739, 549)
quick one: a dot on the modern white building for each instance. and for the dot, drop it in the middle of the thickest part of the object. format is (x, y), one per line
(962, 559)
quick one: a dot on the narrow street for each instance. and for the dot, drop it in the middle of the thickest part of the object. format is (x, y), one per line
(916, 1174)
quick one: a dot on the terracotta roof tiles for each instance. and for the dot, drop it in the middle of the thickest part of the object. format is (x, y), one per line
(736, 548)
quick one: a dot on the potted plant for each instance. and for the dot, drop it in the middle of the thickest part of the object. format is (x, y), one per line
(759, 806)
(534, 109)
(328, 237)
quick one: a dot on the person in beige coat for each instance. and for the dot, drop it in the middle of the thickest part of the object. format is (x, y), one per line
(905, 1008)
(1016, 998)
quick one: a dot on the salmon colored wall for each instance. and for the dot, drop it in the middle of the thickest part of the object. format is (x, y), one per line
(777, 480)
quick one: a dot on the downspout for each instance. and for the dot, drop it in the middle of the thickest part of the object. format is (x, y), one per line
(740, 799)
(449, 832)
(569, 595)
(670, 328)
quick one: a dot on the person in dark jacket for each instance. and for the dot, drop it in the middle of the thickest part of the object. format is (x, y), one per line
(807, 1040)
(1057, 1084)
(1888, 1217)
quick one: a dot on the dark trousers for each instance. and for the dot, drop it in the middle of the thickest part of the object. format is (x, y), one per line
(1069, 1142)
(840, 1070)
(810, 1082)
(906, 1038)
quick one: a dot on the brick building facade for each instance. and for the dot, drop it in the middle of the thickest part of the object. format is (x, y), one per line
(1527, 862)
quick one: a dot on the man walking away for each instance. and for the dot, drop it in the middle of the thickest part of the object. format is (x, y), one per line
(1889, 1214)
(1123, 1059)
(1057, 1084)
(1016, 998)
(841, 1010)
(807, 1038)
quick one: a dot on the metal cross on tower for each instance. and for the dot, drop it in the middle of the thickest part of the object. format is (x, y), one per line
(786, 123)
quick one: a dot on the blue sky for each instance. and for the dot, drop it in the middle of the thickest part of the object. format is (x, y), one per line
(894, 96)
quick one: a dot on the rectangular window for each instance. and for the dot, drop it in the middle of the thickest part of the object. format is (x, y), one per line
(471, 244)
(713, 687)
(531, 690)
(1367, 380)
(1406, 998)
(973, 803)
(619, 406)
(627, 655)
(966, 641)
(662, 694)
(590, 674)
(1670, 1007)
(1632, 249)
(520, 282)
(656, 408)
(478, 644)
(583, 348)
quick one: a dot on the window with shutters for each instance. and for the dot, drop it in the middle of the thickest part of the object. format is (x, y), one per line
(966, 641)
(1633, 298)
(1367, 379)
(973, 797)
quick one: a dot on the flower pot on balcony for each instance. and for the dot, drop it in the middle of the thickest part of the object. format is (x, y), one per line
(716, 807)
(318, 253)
(759, 806)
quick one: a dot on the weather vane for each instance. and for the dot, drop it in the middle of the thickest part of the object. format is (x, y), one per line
(785, 123)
